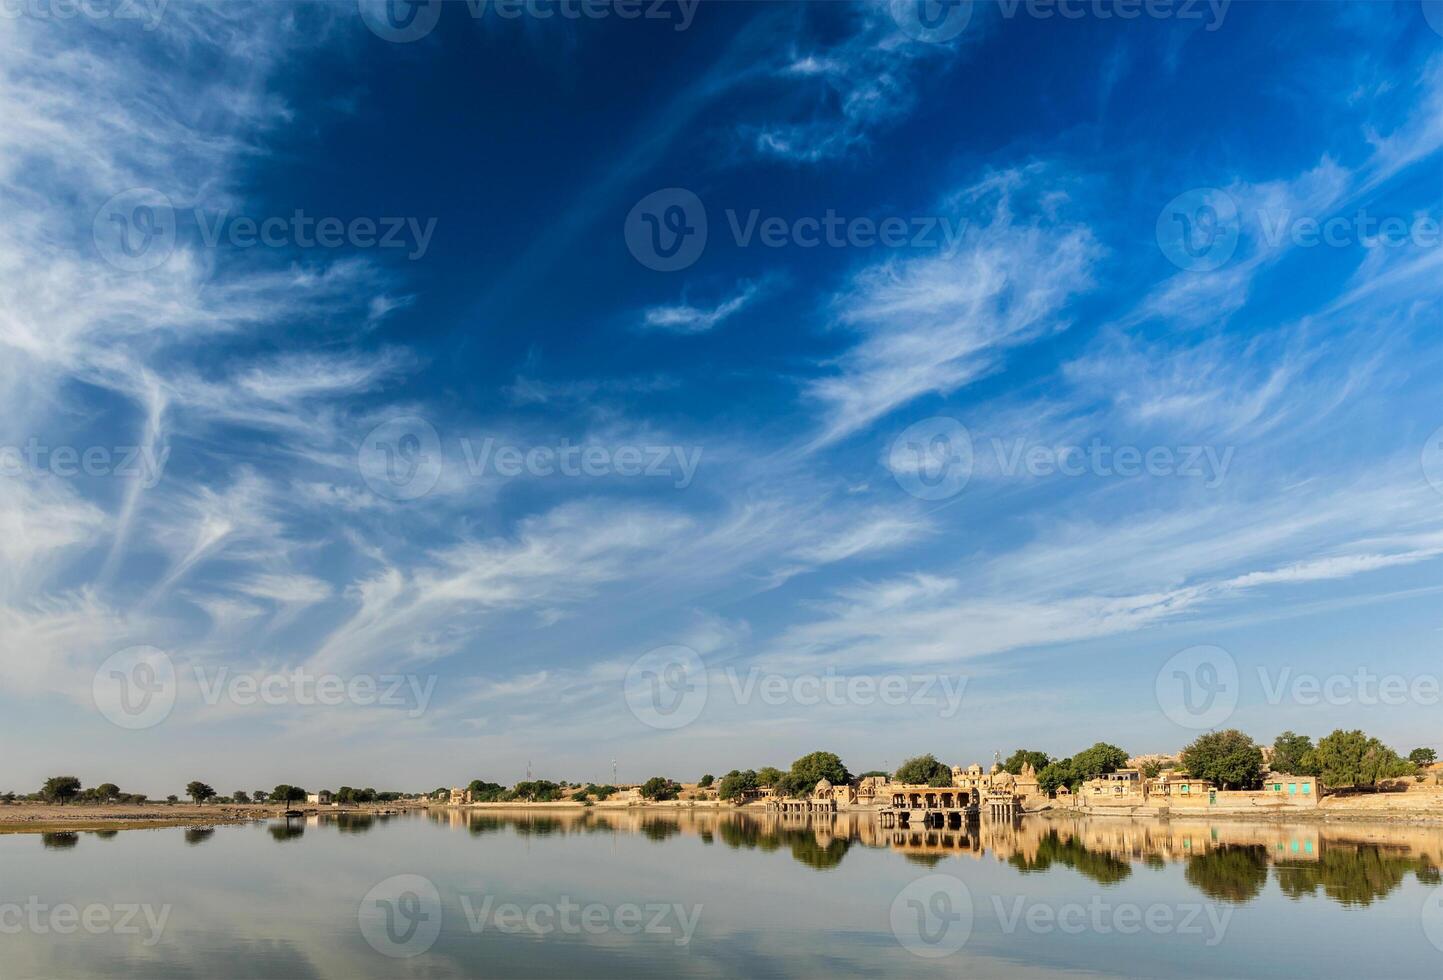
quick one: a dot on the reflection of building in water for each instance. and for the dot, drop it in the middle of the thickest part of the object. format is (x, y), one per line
(1226, 861)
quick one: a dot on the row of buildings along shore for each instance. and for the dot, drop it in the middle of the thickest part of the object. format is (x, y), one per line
(997, 792)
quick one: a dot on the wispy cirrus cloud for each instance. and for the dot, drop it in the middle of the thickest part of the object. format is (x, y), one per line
(937, 323)
(685, 318)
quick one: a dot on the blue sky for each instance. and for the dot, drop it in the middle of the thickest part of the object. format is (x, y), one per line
(810, 456)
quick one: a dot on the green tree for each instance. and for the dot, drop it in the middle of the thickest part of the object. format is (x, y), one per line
(1422, 757)
(737, 784)
(811, 769)
(1352, 759)
(240, 796)
(199, 791)
(921, 770)
(106, 792)
(1228, 758)
(259, 796)
(484, 792)
(286, 793)
(1055, 775)
(706, 780)
(538, 791)
(769, 776)
(172, 798)
(59, 789)
(1151, 769)
(1293, 755)
(1022, 757)
(1099, 760)
(658, 788)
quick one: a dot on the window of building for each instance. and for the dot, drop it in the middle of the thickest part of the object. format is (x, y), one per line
(1277, 787)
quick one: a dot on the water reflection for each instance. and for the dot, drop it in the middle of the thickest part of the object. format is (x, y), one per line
(198, 835)
(59, 841)
(1226, 862)
(289, 829)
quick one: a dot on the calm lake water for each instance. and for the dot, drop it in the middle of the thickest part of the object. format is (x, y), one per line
(631, 894)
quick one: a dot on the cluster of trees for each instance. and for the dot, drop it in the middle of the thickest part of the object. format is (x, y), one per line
(1099, 760)
(1342, 760)
(591, 793)
(799, 780)
(660, 788)
(924, 769)
(68, 789)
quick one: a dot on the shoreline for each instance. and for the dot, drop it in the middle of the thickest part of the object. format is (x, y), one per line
(29, 818)
(46, 818)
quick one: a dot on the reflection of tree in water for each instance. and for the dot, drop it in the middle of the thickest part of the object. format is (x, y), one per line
(354, 823)
(287, 831)
(805, 847)
(1352, 875)
(482, 824)
(926, 860)
(660, 829)
(59, 840)
(198, 835)
(538, 826)
(814, 854)
(105, 834)
(1230, 873)
(1100, 866)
